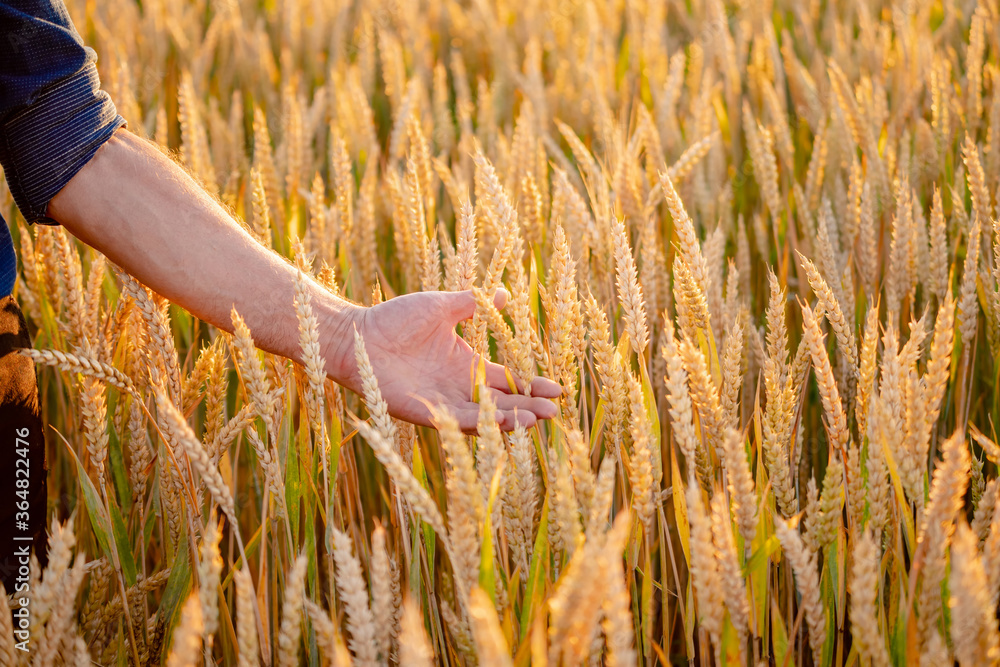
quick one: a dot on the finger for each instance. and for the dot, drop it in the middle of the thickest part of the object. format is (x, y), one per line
(461, 306)
(512, 418)
(545, 388)
(500, 298)
(542, 408)
(497, 378)
(467, 416)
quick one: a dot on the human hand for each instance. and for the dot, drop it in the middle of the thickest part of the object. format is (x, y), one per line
(419, 360)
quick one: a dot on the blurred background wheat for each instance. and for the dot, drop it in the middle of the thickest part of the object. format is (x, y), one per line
(755, 242)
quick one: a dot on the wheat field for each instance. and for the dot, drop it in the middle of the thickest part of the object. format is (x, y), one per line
(756, 243)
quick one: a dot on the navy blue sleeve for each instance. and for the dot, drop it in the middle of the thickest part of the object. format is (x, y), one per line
(53, 114)
(8, 261)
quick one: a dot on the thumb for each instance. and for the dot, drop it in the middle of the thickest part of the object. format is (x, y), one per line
(500, 298)
(462, 305)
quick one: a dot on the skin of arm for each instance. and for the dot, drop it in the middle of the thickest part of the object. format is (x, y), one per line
(146, 214)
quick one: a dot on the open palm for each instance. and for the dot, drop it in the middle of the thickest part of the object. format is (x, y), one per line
(419, 360)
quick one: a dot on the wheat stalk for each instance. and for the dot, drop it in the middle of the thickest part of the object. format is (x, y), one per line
(246, 629)
(186, 645)
(864, 598)
(351, 587)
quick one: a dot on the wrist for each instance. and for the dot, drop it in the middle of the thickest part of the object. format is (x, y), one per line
(337, 324)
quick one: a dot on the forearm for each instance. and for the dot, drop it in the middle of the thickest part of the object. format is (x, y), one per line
(144, 213)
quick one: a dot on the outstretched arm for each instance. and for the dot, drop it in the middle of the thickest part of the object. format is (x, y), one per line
(148, 216)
